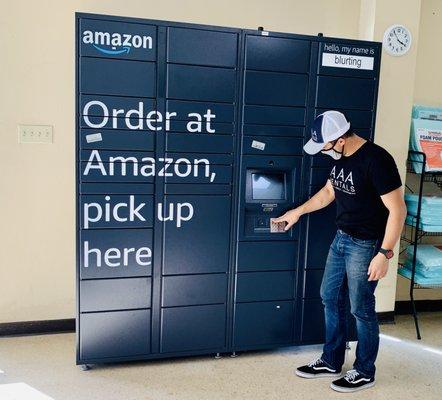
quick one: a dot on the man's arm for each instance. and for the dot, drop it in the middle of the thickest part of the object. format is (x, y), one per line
(320, 200)
(395, 203)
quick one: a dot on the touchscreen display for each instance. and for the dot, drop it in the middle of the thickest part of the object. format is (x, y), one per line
(268, 186)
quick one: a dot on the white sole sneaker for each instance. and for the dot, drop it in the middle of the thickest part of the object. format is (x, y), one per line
(313, 376)
(351, 390)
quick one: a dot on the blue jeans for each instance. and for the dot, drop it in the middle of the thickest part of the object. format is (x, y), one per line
(345, 277)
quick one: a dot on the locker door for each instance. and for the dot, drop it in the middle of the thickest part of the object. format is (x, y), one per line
(201, 243)
(353, 91)
(116, 92)
(201, 89)
(276, 81)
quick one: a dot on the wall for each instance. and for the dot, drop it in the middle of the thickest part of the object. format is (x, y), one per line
(427, 90)
(37, 191)
(395, 101)
(428, 82)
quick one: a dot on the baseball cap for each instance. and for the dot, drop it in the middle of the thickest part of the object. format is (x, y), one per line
(328, 126)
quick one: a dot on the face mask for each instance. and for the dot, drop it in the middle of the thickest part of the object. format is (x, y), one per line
(333, 153)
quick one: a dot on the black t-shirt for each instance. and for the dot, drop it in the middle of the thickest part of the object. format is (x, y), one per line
(358, 181)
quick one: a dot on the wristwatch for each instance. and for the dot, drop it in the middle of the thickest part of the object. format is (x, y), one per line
(388, 253)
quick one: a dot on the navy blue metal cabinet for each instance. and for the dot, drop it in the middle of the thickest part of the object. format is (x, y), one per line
(189, 139)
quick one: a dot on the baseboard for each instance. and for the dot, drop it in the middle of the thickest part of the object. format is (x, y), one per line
(37, 327)
(68, 325)
(404, 307)
(386, 317)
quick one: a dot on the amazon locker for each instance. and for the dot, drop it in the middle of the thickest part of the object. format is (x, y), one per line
(189, 139)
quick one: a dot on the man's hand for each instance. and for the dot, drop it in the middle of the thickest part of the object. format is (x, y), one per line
(290, 217)
(378, 267)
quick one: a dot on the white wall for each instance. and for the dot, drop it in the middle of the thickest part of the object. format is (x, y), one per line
(37, 191)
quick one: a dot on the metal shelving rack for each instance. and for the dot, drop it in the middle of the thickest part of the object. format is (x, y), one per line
(415, 232)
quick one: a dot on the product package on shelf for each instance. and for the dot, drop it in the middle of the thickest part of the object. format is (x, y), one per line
(426, 137)
(431, 212)
(426, 112)
(428, 269)
(419, 278)
(428, 259)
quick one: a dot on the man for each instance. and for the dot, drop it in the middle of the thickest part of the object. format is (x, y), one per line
(366, 185)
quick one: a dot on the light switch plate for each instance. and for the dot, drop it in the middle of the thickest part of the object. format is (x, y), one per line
(35, 133)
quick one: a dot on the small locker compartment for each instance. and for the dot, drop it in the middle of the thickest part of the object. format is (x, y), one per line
(200, 173)
(365, 133)
(116, 211)
(117, 39)
(359, 119)
(319, 176)
(265, 286)
(275, 88)
(116, 139)
(321, 229)
(312, 282)
(117, 166)
(273, 130)
(260, 145)
(193, 328)
(210, 111)
(115, 253)
(277, 54)
(110, 188)
(117, 77)
(190, 82)
(321, 160)
(115, 112)
(274, 115)
(115, 294)
(313, 324)
(198, 239)
(190, 290)
(201, 159)
(202, 47)
(199, 142)
(270, 255)
(196, 125)
(114, 334)
(212, 189)
(349, 93)
(263, 323)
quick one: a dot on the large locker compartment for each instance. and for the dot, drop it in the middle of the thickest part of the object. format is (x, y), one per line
(188, 140)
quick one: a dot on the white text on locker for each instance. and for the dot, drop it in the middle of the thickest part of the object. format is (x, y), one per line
(120, 257)
(153, 119)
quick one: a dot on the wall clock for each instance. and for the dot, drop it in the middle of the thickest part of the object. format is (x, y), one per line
(397, 40)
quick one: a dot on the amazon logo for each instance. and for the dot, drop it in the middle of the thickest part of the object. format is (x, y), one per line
(116, 43)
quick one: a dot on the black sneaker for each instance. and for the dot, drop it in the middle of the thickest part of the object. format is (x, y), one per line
(317, 369)
(352, 382)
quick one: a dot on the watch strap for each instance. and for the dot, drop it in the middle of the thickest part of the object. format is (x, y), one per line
(386, 252)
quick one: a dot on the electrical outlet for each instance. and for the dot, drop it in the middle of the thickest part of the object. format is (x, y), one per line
(35, 133)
